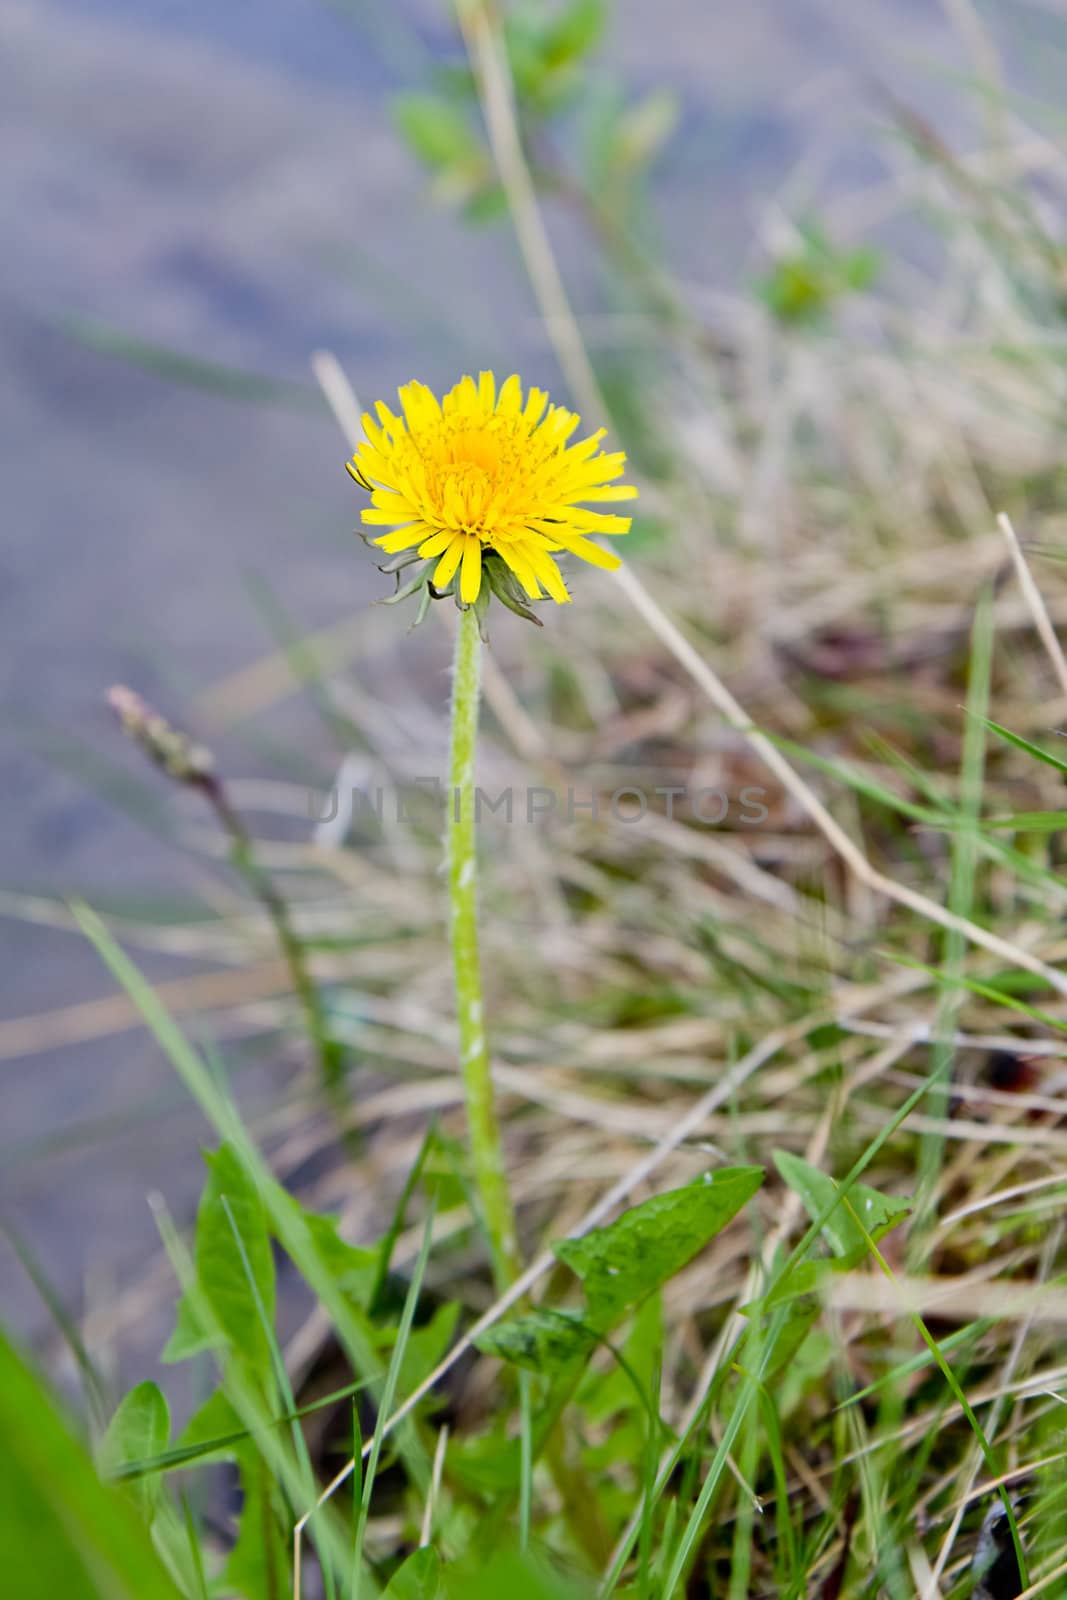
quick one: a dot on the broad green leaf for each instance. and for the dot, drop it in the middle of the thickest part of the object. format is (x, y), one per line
(604, 1394)
(548, 1342)
(426, 1346)
(139, 1433)
(139, 1430)
(189, 1337)
(546, 48)
(804, 284)
(488, 1463)
(258, 1563)
(216, 1424)
(791, 1309)
(353, 1268)
(877, 1212)
(418, 1579)
(438, 132)
(234, 1267)
(648, 1244)
(787, 1339)
(514, 1576)
(62, 1531)
(488, 202)
(573, 32)
(223, 1444)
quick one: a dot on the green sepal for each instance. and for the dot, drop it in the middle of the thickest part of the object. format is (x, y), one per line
(404, 591)
(404, 559)
(505, 586)
(481, 610)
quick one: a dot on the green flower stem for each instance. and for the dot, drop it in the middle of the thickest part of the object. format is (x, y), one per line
(487, 1157)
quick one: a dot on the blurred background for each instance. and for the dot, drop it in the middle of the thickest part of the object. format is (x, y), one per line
(195, 198)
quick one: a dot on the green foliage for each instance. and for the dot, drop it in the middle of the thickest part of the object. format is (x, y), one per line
(550, 50)
(548, 1342)
(62, 1530)
(805, 284)
(139, 1430)
(440, 133)
(435, 130)
(426, 1346)
(620, 1266)
(419, 1578)
(508, 1573)
(234, 1270)
(617, 1390)
(353, 1269)
(644, 129)
(622, 1263)
(258, 1564)
(618, 142)
(861, 1213)
(547, 46)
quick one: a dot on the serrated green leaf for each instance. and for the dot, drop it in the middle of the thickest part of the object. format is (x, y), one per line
(139, 1429)
(188, 1338)
(548, 1342)
(352, 1267)
(648, 1244)
(418, 1579)
(877, 1212)
(234, 1266)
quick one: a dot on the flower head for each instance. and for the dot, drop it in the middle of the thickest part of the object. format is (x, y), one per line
(488, 488)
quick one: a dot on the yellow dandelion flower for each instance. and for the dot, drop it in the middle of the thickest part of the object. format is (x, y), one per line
(488, 485)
